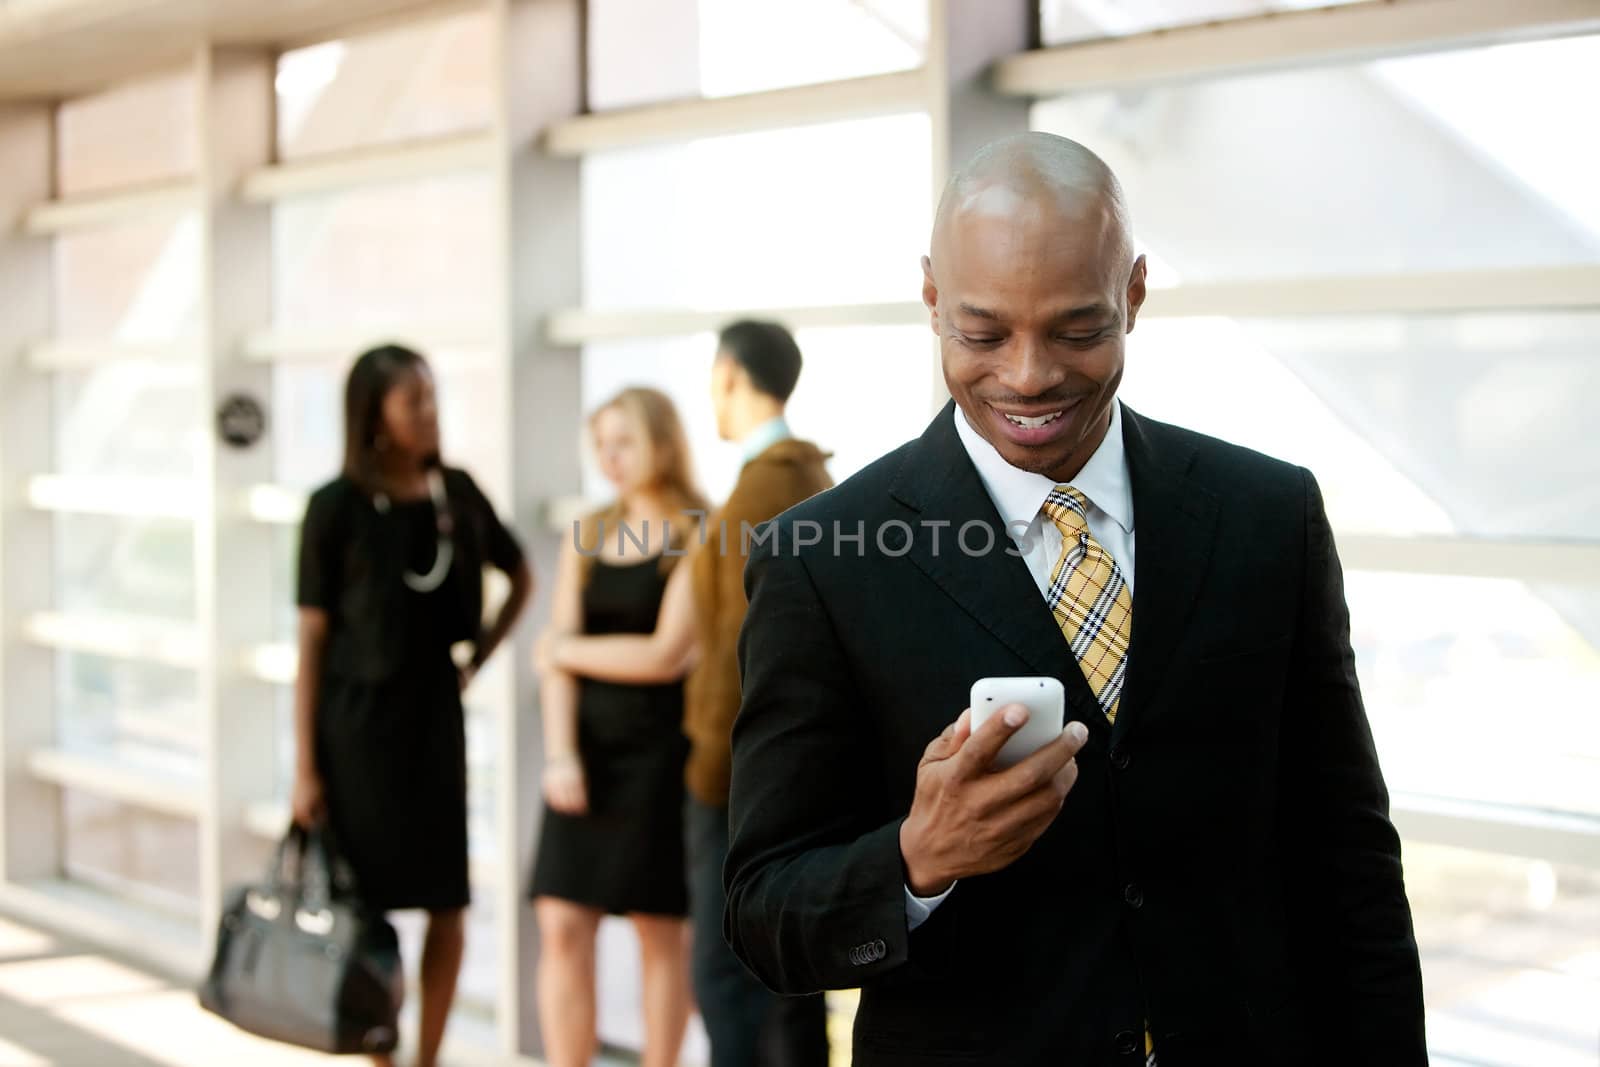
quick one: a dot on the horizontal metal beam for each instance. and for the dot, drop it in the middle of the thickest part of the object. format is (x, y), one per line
(687, 120)
(404, 161)
(1437, 292)
(119, 637)
(577, 326)
(114, 780)
(275, 663)
(1557, 837)
(1345, 34)
(1566, 562)
(139, 204)
(317, 346)
(275, 504)
(77, 353)
(134, 498)
(1412, 292)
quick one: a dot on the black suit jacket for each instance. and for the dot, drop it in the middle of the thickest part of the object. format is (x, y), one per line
(1224, 868)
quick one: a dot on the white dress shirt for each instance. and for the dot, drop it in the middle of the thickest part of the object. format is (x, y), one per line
(1018, 496)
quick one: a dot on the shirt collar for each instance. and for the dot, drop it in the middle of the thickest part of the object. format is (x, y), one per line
(1018, 494)
(765, 436)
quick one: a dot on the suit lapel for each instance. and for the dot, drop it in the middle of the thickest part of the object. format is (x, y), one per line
(1174, 530)
(939, 482)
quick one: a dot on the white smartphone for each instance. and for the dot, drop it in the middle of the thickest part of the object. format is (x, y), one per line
(1046, 702)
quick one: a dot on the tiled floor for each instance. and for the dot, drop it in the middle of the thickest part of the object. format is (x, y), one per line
(65, 1005)
(1511, 960)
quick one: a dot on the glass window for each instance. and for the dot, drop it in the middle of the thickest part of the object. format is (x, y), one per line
(1483, 98)
(145, 855)
(141, 714)
(1070, 21)
(386, 256)
(862, 392)
(773, 219)
(480, 963)
(137, 282)
(415, 81)
(136, 133)
(1389, 166)
(1480, 410)
(1412, 423)
(1509, 948)
(685, 48)
(123, 566)
(1211, 375)
(1441, 660)
(137, 418)
(1404, 423)
(308, 425)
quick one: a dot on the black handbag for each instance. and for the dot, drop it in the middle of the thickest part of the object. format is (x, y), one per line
(299, 959)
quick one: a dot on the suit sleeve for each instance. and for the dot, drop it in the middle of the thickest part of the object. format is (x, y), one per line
(816, 888)
(1358, 966)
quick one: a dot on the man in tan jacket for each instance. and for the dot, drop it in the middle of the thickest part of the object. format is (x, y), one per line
(757, 366)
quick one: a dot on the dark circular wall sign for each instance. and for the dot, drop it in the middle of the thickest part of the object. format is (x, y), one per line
(241, 420)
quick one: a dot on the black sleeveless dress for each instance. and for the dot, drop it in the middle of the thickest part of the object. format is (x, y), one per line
(626, 854)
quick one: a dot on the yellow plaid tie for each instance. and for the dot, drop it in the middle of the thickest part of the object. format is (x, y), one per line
(1090, 599)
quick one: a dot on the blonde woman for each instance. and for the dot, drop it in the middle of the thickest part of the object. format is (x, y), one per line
(612, 840)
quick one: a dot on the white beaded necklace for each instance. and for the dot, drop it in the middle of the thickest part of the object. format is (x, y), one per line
(444, 550)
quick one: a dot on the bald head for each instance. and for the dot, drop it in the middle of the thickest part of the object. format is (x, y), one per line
(1032, 284)
(1048, 179)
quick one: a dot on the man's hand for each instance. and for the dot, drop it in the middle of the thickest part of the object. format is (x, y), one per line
(967, 819)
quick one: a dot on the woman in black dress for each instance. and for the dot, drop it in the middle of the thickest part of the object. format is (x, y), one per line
(391, 577)
(612, 838)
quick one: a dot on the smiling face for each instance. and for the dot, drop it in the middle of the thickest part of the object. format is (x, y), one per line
(1032, 291)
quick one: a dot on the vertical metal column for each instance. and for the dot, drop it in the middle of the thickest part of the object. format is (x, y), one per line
(233, 572)
(965, 39)
(30, 835)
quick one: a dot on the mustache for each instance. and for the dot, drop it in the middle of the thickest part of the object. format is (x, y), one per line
(1058, 398)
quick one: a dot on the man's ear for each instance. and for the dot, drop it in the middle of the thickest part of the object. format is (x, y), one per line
(930, 294)
(1136, 291)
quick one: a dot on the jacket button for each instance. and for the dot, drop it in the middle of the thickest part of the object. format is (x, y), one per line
(1119, 758)
(1134, 896)
(1127, 1042)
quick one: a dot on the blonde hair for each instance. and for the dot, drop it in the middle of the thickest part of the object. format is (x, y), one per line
(666, 450)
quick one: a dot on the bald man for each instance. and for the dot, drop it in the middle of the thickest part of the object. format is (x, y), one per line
(1201, 868)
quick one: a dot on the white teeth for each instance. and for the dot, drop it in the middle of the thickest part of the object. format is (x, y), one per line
(1035, 421)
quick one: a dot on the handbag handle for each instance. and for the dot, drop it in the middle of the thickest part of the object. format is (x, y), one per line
(308, 867)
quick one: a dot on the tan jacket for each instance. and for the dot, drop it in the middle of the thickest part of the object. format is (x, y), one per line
(775, 480)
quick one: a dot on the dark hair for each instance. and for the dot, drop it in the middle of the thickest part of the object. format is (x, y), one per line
(371, 377)
(766, 351)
